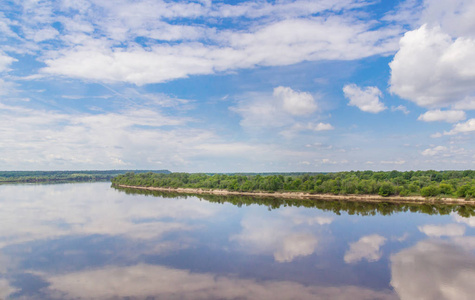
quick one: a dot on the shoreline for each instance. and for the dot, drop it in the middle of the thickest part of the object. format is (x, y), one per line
(302, 195)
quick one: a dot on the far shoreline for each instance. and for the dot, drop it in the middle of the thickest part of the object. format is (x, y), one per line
(302, 195)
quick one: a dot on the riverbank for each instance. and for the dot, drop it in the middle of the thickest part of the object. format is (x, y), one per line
(301, 195)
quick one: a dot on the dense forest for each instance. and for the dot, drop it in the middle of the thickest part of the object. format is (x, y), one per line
(447, 184)
(65, 176)
(338, 207)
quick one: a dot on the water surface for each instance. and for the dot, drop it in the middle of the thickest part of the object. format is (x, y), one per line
(91, 241)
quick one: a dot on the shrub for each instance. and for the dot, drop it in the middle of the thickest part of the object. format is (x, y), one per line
(386, 189)
(430, 191)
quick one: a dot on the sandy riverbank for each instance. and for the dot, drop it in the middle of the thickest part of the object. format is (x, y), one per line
(301, 195)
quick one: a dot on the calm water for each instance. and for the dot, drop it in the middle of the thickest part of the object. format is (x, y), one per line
(90, 241)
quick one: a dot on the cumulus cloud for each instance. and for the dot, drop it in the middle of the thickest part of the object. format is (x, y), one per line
(295, 103)
(434, 69)
(466, 127)
(367, 247)
(366, 99)
(442, 230)
(433, 270)
(450, 116)
(260, 110)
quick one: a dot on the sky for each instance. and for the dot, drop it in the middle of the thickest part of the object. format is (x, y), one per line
(237, 86)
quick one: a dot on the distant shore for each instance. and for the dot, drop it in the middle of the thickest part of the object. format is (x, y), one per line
(301, 195)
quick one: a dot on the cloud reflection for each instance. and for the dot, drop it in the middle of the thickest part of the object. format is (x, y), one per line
(434, 269)
(468, 221)
(6, 289)
(442, 230)
(367, 247)
(142, 281)
(38, 212)
(287, 234)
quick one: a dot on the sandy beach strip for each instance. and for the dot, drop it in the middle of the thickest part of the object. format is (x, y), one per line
(302, 195)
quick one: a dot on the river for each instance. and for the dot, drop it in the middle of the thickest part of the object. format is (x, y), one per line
(92, 241)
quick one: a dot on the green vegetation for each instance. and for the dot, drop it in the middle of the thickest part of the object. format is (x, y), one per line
(338, 207)
(445, 184)
(64, 176)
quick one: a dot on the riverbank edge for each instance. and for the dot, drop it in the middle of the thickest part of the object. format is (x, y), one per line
(302, 195)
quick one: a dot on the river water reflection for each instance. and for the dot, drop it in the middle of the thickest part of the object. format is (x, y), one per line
(91, 241)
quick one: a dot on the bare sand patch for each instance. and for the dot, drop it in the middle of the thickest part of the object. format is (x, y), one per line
(302, 195)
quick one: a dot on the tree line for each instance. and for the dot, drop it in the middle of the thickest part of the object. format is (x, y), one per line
(460, 184)
(65, 176)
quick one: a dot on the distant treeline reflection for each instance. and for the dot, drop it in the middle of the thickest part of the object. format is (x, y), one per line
(350, 207)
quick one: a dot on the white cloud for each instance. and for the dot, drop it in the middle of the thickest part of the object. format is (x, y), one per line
(297, 8)
(406, 12)
(446, 152)
(5, 62)
(6, 87)
(467, 127)
(393, 162)
(99, 140)
(298, 127)
(442, 230)
(454, 16)
(400, 108)
(136, 136)
(260, 110)
(467, 103)
(328, 161)
(110, 53)
(367, 247)
(433, 69)
(365, 99)
(295, 103)
(434, 151)
(231, 149)
(45, 34)
(450, 116)
(433, 270)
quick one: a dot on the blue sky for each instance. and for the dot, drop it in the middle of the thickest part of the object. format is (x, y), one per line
(237, 86)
